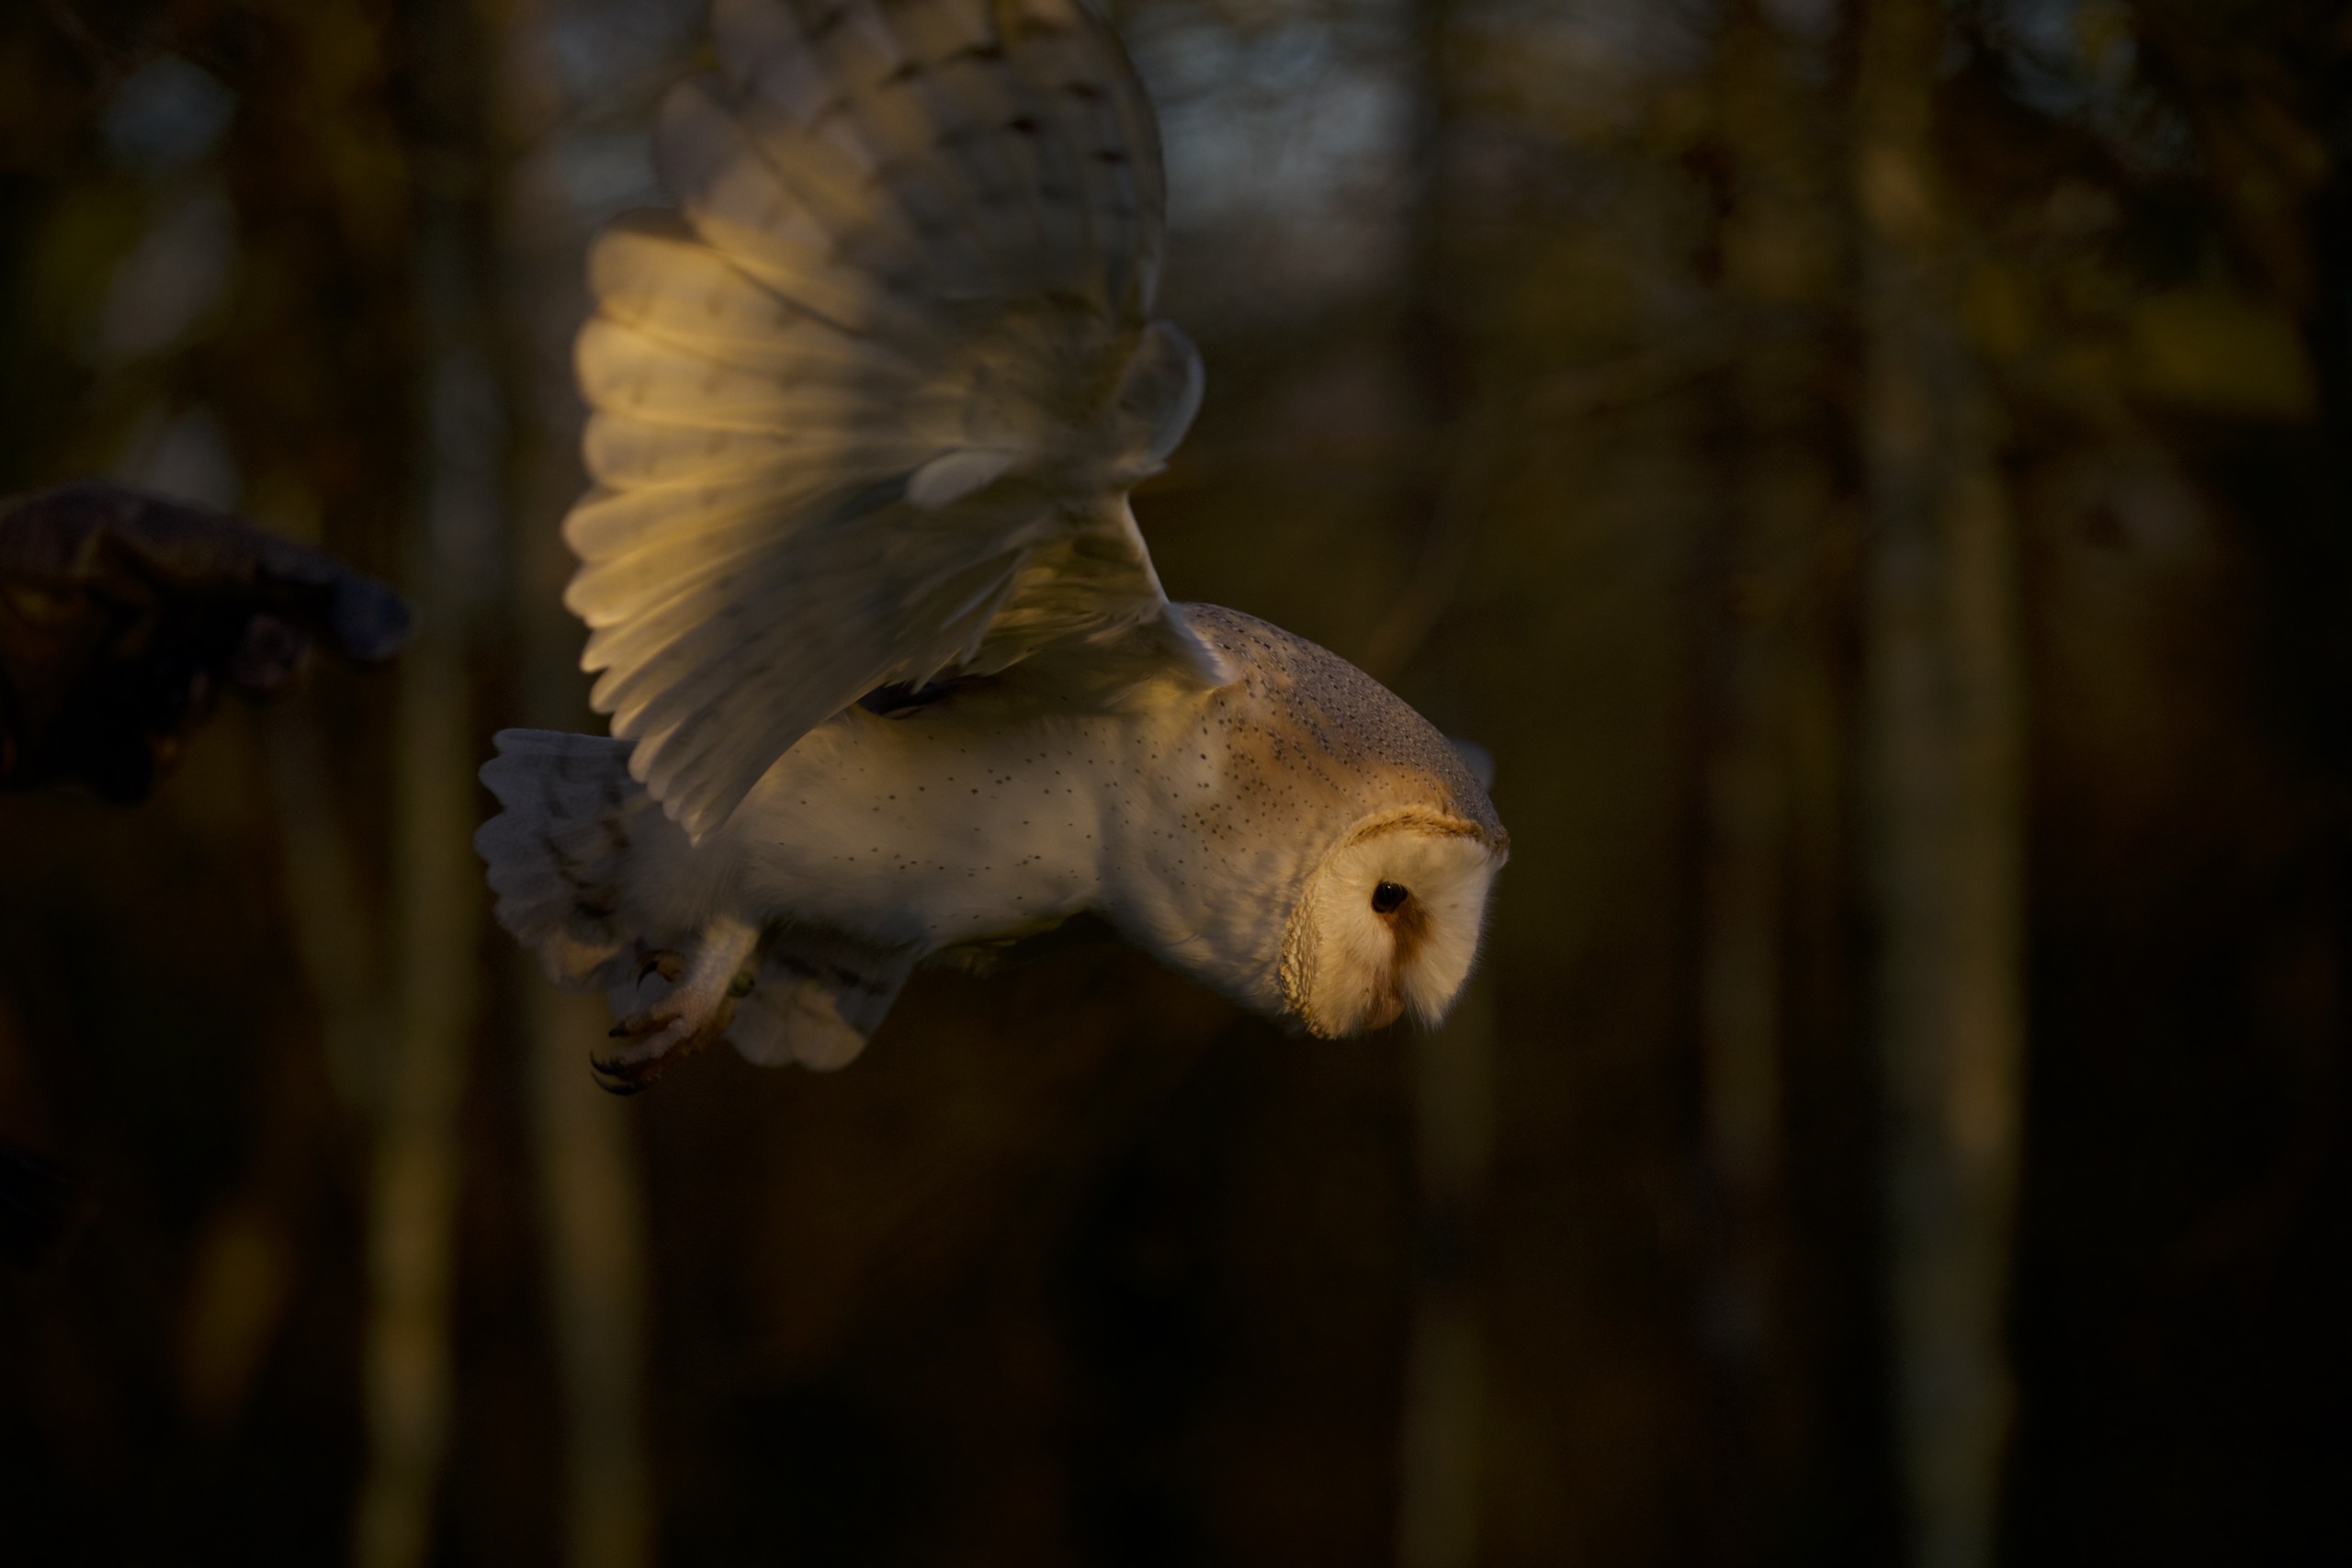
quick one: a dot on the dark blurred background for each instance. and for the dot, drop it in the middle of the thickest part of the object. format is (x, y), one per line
(1876, 473)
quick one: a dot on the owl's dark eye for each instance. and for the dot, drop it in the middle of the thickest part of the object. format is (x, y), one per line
(1388, 897)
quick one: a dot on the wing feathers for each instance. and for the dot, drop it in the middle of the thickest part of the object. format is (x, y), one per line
(944, 480)
(866, 406)
(649, 272)
(624, 369)
(626, 452)
(607, 524)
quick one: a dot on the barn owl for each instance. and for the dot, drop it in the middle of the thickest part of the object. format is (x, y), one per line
(889, 668)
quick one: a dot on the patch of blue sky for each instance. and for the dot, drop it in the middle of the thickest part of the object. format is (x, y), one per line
(2076, 60)
(600, 50)
(166, 115)
(1286, 142)
(600, 172)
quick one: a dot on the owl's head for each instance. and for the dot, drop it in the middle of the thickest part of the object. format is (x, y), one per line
(1389, 920)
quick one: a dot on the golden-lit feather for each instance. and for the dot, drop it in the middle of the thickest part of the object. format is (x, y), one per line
(866, 408)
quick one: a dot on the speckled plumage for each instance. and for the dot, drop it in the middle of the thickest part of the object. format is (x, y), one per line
(890, 668)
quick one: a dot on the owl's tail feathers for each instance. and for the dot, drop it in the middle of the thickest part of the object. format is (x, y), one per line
(557, 854)
(557, 850)
(817, 997)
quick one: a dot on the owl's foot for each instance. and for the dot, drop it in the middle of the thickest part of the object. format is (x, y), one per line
(659, 1036)
(694, 1012)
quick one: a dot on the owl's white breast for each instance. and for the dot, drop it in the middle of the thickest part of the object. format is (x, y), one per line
(940, 828)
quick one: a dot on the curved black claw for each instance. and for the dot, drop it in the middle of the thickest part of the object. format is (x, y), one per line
(622, 1078)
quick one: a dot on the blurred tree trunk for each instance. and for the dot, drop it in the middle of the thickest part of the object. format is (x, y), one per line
(1770, 827)
(1452, 1069)
(319, 395)
(450, 561)
(436, 902)
(590, 1189)
(1453, 1088)
(1943, 772)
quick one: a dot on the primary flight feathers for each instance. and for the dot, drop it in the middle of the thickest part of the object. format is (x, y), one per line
(867, 405)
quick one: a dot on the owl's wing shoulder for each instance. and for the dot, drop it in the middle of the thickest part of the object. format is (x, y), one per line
(866, 406)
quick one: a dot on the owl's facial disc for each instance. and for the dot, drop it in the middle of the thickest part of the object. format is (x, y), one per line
(1389, 920)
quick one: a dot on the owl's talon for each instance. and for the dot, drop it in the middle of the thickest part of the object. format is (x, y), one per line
(690, 1017)
(615, 1082)
(656, 1030)
(626, 1072)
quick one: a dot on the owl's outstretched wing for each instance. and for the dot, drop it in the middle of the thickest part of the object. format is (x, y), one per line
(866, 407)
